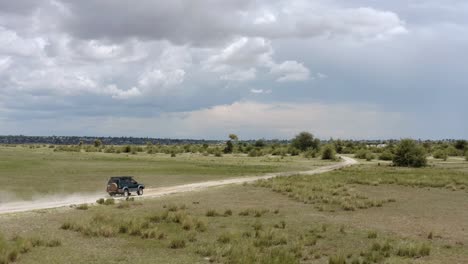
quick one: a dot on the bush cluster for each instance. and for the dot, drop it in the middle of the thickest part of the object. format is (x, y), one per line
(409, 154)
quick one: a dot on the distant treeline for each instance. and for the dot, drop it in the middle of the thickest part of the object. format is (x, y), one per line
(405, 152)
(75, 140)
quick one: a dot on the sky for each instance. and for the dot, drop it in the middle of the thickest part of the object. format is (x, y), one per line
(351, 69)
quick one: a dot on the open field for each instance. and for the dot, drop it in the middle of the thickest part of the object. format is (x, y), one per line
(362, 214)
(27, 173)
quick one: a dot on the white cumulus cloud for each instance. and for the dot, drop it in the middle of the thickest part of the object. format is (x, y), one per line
(290, 71)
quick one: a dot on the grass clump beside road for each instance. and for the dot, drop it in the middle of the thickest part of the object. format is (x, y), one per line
(148, 227)
(322, 192)
(12, 249)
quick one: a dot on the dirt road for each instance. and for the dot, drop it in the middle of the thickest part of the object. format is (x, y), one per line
(62, 201)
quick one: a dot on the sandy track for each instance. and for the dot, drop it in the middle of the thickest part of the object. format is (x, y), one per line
(61, 201)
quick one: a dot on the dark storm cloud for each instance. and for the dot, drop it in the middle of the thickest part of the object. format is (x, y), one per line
(19, 6)
(178, 21)
(210, 22)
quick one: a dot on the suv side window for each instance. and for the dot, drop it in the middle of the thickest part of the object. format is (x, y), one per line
(124, 182)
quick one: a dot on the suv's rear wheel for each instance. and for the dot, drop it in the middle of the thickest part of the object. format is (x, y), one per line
(140, 191)
(126, 193)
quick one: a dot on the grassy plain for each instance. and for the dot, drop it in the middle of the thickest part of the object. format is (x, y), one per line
(368, 213)
(26, 172)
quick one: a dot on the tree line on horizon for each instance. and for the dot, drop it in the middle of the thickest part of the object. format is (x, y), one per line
(405, 152)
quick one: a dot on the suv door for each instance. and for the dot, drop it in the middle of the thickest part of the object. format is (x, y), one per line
(133, 184)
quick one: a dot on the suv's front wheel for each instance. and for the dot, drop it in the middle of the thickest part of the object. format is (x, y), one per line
(140, 191)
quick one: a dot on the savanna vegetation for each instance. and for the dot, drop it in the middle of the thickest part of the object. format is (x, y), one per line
(359, 214)
(404, 203)
(34, 170)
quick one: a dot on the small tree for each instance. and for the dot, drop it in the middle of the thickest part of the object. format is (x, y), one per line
(386, 155)
(260, 143)
(229, 147)
(97, 143)
(233, 137)
(304, 141)
(127, 149)
(461, 145)
(328, 152)
(339, 145)
(440, 154)
(409, 154)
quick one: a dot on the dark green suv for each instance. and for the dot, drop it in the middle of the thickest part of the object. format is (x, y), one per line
(124, 185)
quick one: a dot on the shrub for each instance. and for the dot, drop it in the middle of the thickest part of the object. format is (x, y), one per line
(328, 152)
(228, 212)
(225, 238)
(337, 260)
(386, 155)
(372, 234)
(370, 156)
(149, 234)
(361, 154)
(110, 149)
(409, 154)
(177, 243)
(200, 226)
(440, 154)
(13, 255)
(452, 151)
(310, 154)
(245, 212)
(424, 250)
(255, 153)
(53, 243)
(192, 237)
(211, 213)
(100, 201)
(283, 224)
(82, 207)
(411, 250)
(126, 149)
(260, 143)
(172, 208)
(109, 201)
(257, 226)
(294, 151)
(229, 147)
(66, 226)
(187, 224)
(461, 145)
